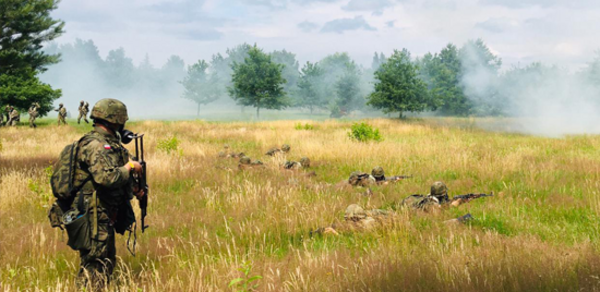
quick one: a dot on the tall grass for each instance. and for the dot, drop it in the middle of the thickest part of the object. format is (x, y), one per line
(209, 220)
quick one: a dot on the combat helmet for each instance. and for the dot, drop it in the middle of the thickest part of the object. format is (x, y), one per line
(378, 173)
(60, 105)
(245, 160)
(110, 110)
(439, 191)
(305, 162)
(355, 212)
(285, 148)
(82, 102)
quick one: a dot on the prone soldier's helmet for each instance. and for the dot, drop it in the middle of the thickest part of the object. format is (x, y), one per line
(285, 148)
(355, 212)
(245, 160)
(378, 173)
(439, 190)
(110, 110)
(354, 177)
(305, 162)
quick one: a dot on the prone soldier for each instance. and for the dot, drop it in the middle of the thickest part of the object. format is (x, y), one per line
(285, 148)
(379, 174)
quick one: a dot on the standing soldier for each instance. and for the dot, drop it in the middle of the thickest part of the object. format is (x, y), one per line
(14, 117)
(83, 111)
(62, 114)
(33, 114)
(104, 180)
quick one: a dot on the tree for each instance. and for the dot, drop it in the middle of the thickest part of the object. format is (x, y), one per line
(441, 72)
(258, 82)
(348, 93)
(290, 70)
(119, 69)
(398, 87)
(479, 77)
(310, 88)
(199, 85)
(25, 27)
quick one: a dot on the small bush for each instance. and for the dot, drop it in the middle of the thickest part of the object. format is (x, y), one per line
(363, 132)
(307, 127)
(168, 145)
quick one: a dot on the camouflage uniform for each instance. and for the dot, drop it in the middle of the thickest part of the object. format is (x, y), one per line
(363, 179)
(33, 114)
(379, 174)
(102, 158)
(83, 111)
(437, 196)
(62, 114)
(295, 165)
(285, 148)
(14, 117)
(357, 219)
(246, 161)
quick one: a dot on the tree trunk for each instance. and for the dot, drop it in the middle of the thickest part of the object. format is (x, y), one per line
(258, 112)
(311, 111)
(198, 111)
(400, 115)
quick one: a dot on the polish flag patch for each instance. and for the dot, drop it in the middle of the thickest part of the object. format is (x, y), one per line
(107, 147)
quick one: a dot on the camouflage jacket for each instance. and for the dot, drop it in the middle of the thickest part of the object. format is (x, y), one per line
(102, 157)
(63, 112)
(33, 111)
(14, 115)
(83, 109)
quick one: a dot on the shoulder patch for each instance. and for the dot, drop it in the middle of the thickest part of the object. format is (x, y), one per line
(107, 147)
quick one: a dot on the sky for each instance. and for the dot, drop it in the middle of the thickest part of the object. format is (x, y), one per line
(560, 32)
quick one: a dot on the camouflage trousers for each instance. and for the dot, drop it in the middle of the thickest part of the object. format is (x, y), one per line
(32, 122)
(84, 116)
(97, 264)
(61, 119)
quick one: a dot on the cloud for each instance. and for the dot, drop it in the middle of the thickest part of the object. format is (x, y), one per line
(496, 25)
(390, 23)
(273, 4)
(307, 26)
(376, 6)
(347, 24)
(542, 3)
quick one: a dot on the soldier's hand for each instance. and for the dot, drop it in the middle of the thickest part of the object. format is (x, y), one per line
(137, 167)
(139, 193)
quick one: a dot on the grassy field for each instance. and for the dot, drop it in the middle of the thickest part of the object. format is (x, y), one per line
(212, 223)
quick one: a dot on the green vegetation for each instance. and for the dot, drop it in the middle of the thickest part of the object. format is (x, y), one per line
(26, 26)
(364, 132)
(257, 82)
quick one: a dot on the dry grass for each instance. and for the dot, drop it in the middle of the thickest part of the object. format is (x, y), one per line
(208, 218)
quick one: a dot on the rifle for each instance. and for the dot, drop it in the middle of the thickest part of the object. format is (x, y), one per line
(469, 197)
(141, 179)
(398, 177)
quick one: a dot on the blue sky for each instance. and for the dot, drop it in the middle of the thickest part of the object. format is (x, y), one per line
(520, 31)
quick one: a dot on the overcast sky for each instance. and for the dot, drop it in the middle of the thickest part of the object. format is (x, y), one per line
(562, 32)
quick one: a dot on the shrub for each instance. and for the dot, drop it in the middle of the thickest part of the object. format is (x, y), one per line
(168, 145)
(307, 127)
(363, 132)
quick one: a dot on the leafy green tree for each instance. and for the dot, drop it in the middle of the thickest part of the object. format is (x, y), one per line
(398, 87)
(258, 82)
(310, 88)
(442, 73)
(334, 67)
(25, 27)
(199, 85)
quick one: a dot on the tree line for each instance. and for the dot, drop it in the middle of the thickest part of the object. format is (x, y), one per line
(456, 81)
